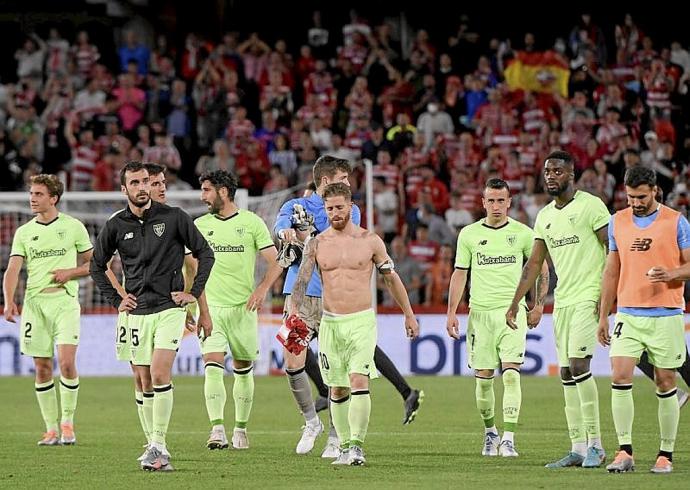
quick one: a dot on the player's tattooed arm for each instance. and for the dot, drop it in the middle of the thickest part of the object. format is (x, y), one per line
(306, 269)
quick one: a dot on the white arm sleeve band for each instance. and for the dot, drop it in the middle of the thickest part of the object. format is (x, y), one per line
(386, 267)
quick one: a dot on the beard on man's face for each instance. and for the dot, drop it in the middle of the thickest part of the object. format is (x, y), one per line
(340, 223)
(140, 199)
(558, 190)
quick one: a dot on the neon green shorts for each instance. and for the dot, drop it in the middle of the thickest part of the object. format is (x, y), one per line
(49, 319)
(122, 338)
(162, 330)
(346, 346)
(490, 341)
(662, 337)
(575, 329)
(236, 327)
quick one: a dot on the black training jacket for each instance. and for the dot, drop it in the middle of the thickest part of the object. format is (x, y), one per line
(152, 252)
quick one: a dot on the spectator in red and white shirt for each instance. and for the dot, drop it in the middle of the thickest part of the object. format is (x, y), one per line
(386, 170)
(239, 130)
(314, 108)
(436, 189)
(85, 155)
(85, 54)
(610, 132)
(163, 152)
(320, 83)
(422, 249)
(359, 101)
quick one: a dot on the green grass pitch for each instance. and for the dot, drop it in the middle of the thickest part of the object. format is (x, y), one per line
(441, 449)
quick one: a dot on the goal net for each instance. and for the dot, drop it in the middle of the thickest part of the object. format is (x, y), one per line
(94, 208)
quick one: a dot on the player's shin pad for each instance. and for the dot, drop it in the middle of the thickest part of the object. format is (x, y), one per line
(294, 335)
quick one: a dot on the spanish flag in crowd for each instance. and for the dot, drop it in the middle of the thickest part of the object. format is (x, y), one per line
(543, 71)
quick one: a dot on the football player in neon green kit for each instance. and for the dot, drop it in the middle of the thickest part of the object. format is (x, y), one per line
(493, 250)
(236, 236)
(56, 249)
(572, 229)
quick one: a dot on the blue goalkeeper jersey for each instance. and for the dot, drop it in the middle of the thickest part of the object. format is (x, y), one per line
(314, 206)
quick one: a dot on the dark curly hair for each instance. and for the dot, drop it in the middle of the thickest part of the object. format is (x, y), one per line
(221, 178)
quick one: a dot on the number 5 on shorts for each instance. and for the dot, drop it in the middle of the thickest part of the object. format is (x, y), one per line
(618, 329)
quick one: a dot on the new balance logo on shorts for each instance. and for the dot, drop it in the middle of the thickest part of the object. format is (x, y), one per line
(640, 245)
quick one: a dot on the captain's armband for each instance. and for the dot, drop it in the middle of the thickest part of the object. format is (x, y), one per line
(386, 267)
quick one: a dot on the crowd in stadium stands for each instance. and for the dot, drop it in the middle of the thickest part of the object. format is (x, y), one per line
(435, 116)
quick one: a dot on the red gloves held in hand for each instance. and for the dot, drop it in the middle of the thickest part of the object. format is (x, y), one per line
(294, 335)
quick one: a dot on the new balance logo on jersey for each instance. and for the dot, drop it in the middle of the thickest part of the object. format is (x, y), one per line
(640, 245)
(34, 238)
(174, 341)
(128, 236)
(210, 233)
(583, 349)
(483, 242)
(548, 226)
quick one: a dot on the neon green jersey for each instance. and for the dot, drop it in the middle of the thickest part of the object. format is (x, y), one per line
(235, 240)
(50, 246)
(494, 257)
(577, 254)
